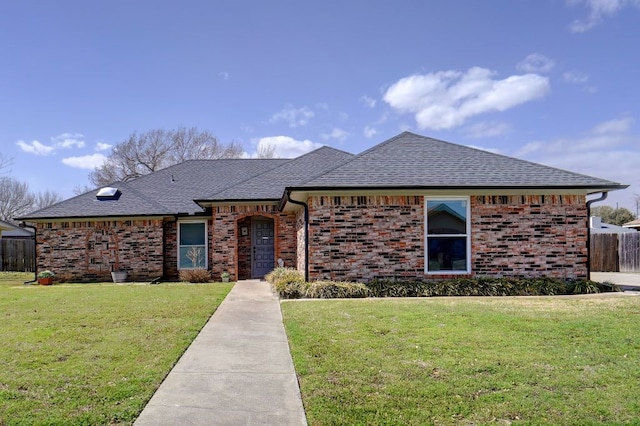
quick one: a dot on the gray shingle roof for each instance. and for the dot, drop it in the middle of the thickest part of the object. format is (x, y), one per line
(410, 160)
(404, 161)
(270, 184)
(165, 192)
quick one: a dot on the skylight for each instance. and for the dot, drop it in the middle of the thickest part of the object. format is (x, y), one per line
(108, 193)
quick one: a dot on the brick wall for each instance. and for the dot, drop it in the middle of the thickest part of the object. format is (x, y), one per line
(225, 254)
(89, 251)
(364, 237)
(529, 236)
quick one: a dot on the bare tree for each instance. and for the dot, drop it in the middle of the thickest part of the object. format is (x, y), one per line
(5, 162)
(156, 149)
(45, 199)
(266, 151)
(15, 199)
(78, 190)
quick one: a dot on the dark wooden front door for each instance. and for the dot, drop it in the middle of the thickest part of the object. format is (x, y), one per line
(262, 252)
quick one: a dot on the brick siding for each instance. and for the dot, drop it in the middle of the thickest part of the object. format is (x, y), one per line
(90, 250)
(364, 237)
(542, 235)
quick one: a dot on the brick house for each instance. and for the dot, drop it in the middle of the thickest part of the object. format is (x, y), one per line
(411, 207)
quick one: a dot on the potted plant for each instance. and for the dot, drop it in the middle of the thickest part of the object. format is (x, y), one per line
(119, 276)
(45, 277)
(225, 277)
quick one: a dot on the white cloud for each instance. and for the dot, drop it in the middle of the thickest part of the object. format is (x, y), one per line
(486, 129)
(85, 161)
(287, 147)
(35, 147)
(536, 63)
(368, 101)
(68, 140)
(295, 117)
(575, 77)
(224, 75)
(102, 146)
(598, 10)
(369, 132)
(446, 99)
(335, 133)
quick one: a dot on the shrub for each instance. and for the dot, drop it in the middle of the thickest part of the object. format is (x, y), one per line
(335, 289)
(392, 288)
(586, 287)
(198, 275)
(46, 274)
(287, 282)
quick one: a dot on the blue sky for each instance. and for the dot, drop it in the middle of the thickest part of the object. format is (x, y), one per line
(550, 81)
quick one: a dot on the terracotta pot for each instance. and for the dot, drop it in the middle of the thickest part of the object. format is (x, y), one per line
(45, 281)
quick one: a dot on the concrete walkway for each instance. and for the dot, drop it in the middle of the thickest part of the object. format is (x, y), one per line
(627, 280)
(238, 371)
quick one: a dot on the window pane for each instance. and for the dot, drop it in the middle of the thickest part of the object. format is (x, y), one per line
(192, 257)
(447, 253)
(192, 234)
(446, 217)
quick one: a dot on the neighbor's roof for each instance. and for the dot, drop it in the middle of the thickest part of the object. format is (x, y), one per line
(413, 161)
(633, 224)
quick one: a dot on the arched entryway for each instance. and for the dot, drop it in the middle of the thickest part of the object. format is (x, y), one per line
(256, 246)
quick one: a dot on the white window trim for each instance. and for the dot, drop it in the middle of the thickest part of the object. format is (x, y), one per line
(206, 243)
(426, 235)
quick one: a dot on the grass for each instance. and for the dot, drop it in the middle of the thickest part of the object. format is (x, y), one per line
(92, 354)
(467, 361)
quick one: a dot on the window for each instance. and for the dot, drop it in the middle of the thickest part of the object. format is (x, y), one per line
(192, 247)
(447, 242)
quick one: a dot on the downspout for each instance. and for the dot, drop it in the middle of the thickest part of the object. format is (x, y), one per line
(600, 198)
(35, 247)
(306, 233)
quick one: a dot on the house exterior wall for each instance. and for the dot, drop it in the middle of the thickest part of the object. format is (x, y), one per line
(90, 250)
(359, 238)
(225, 254)
(540, 235)
(364, 237)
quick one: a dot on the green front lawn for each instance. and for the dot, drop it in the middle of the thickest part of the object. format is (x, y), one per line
(468, 361)
(92, 353)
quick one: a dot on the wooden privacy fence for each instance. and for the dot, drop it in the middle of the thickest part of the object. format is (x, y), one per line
(17, 255)
(615, 252)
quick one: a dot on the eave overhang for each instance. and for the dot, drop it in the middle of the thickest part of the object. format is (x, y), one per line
(303, 193)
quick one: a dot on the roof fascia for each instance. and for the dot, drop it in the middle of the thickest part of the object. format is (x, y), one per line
(589, 189)
(89, 218)
(303, 193)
